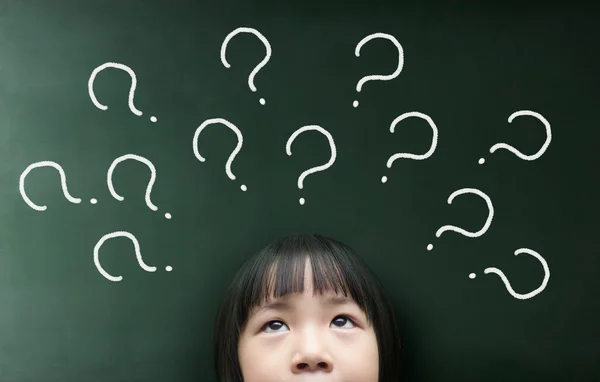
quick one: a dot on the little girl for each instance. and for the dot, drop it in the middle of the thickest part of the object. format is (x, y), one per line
(306, 308)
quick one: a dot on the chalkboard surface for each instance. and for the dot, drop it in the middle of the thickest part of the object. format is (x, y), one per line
(190, 165)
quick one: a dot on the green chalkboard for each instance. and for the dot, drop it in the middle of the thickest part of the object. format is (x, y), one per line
(192, 166)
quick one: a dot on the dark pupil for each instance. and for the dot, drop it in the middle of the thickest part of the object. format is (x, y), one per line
(340, 320)
(276, 323)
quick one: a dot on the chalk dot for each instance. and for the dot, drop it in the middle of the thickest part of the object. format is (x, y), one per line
(168, 268)
(481, 161)
(262, 101)
(93, 200)
(302, 201)
(383, 179)
(472, 276)
(355, 103)
(243, 187)
(168, 215)
(430, 247)
(153, 119)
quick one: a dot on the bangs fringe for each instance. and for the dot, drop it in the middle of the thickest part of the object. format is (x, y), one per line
(277, 276)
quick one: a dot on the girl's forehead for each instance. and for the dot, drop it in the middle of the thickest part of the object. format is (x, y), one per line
(328, 297)
(307, 293)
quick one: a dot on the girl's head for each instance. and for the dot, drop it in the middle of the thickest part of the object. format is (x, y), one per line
(306, 308)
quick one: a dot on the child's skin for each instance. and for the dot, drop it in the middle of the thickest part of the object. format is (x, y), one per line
(309, 341)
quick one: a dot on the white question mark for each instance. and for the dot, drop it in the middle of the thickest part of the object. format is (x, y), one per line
(237, 149)
(507, 284)
(379, 77)
(63, 183)
(434, 140)
(259, 66)
(288, 150)
(483, 229)
(517, 152)
(145, 161)
(138, 255)
(131, 73)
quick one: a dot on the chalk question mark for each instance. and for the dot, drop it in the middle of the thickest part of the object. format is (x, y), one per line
(259, 66)
(129, 71)
(138, 255)
(434, 140)
(379, 77)
(483, 229)
(63, 183)
(517, 152)
(288, 150)
(507, 283)
(237, 149)
(145, 161)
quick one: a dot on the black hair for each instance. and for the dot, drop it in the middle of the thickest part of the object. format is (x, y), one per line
(277, 270)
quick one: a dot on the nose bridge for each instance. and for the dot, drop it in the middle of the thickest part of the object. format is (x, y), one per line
(311, 338)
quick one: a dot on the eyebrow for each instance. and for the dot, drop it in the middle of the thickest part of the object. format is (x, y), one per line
(281, 304)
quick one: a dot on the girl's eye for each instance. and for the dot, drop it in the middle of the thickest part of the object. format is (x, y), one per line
(338, 321)
(343, 320)
(273, 326)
